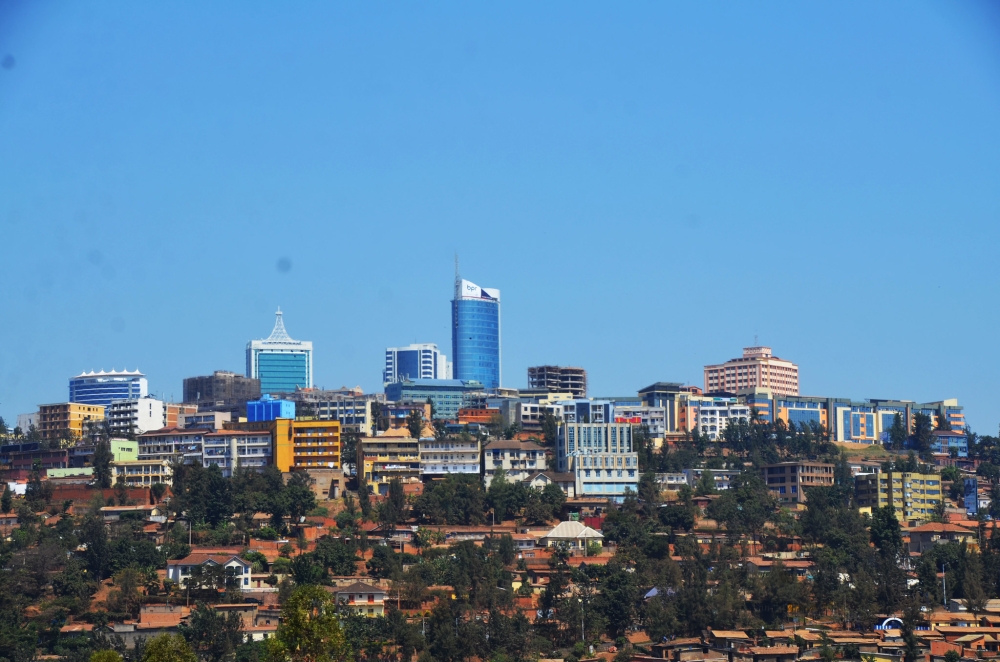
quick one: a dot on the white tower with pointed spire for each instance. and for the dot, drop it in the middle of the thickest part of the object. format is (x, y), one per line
(279, 362)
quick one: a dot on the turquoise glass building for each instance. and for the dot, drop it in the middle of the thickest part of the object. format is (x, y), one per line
(279, 362)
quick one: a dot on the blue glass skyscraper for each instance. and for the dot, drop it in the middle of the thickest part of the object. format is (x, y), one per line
(475, 334)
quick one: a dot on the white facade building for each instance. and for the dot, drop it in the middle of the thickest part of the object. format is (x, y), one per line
(601, 456)
(419, 361)
(452, 456)
(172, 444)
(519, 460)
(228, 449)
(654, 418)
(136, 416)
(712, 415)
(25, 421)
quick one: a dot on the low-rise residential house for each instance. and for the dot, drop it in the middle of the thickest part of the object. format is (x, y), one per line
(800, 569)
(722, 477)
(566, 481)
(363, 599)
(518, 459)
(928, 535)
(179, 570)
(575, 535)
(774, 653)
(729, 639)
(671, 481)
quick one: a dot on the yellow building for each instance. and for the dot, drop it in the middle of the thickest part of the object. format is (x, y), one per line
(299, 444)
(913, 495)
(392, 455)
(67, 419)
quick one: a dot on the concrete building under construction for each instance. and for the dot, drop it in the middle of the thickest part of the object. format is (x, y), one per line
(559, 379)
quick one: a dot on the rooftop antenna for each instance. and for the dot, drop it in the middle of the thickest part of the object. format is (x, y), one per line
(458, 279)
(755, 343)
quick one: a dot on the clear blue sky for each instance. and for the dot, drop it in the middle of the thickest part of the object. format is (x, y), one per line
(648, 184)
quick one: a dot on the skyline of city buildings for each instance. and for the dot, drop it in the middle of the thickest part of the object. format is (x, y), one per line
(476, 348)
(280, 362)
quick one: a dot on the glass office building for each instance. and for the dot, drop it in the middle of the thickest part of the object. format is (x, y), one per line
(279, 362)
(101, 388)
(422, 361)
(475, 334)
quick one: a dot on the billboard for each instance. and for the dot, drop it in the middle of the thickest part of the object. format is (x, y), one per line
(634, 420)
(469, 290)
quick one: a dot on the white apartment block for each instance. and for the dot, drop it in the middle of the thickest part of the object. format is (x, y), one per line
(135, 416)
(601, 456)
(229, 449)
(757, 368)
(713, 416)
(518, 459)
(172, 444)
(452, 456)
(654, 418)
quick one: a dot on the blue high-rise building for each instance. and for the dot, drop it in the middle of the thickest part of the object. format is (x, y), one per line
(475, 334)
(101, 388)
(280, 363)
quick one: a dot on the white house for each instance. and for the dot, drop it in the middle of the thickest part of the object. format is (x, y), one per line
(180, 569)
(574, 534)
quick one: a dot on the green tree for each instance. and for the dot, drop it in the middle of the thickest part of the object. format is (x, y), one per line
(168, 648)
(213, 636)
(415, 423)
(7, 500)
(364, 497)
(158, 490)
(550, 428)
(309, 630)
(745, 507)
(923, 435)
(102, 464)
(706, 483)
(299, 496)
(943, 424)
(105, 656)
(897, 433)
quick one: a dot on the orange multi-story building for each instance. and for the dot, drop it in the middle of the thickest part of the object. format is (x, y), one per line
(300, 444)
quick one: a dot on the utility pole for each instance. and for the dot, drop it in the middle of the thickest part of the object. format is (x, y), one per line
(583, 631)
